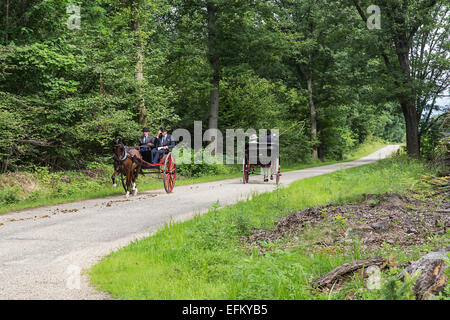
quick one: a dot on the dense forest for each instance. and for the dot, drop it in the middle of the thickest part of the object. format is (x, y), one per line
(74, 74)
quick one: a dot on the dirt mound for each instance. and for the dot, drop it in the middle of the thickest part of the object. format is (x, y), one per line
(403, 220)
(22, 180)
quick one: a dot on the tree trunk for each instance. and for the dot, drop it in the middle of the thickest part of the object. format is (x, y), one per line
(412, 128)
(140, 80)
(321, 147)
(407, 100)
(7, 22)
(430, 270)
(214, 62)
(347, 269)
(5, 165)
(140, 69)
(312, 116)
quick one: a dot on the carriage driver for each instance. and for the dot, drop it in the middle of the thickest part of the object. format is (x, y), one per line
(164, 143)
(146, 144)
(274, 162)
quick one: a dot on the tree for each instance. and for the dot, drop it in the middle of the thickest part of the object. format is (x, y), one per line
(311, 54)
(136, 11)
(248, 64)
(322, 60)
(214, 62)
(408, 28)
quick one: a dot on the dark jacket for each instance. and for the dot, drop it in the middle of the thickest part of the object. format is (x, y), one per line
(144, 140)
(168, 141)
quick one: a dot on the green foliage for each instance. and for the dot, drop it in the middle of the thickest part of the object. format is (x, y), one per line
(391, 288)
(206, 168)
(9, 196)
(395, 289)
(250, 101)
(410, 72)
(445, 295)
(40, 69)
(434, 142)
(65, 94)
(242, 222)
(10, 124)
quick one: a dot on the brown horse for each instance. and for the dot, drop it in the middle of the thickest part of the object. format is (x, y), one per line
(126, 162)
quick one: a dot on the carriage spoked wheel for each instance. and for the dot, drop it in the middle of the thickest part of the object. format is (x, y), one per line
(169, 173)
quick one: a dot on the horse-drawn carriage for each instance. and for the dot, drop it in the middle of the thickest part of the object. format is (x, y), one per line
(263, 155)
(129, 163)
(166, 168)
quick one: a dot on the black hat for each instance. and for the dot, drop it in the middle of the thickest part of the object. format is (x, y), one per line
(145, 129)
(163, 129)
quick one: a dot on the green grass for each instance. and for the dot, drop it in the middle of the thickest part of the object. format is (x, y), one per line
(203, 259)
(365, 149)
(52, 190)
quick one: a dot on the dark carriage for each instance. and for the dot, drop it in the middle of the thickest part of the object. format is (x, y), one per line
(259, 155)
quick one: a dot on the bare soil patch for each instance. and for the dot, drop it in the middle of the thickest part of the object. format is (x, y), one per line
(402, 220)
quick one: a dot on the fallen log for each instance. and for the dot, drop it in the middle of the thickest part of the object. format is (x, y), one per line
(430, 270)
(340, 272)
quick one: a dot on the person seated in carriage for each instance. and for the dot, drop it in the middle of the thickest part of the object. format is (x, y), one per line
(273, 139)
(268, 141)
(163, 144)
(146, 144)
(253, 139)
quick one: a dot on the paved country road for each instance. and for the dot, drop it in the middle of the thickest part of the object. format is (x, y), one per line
(43, 249)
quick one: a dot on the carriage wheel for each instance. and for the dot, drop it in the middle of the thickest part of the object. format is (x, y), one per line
(170, 172)
(245, 168)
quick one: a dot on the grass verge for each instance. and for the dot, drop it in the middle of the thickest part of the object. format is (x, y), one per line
(203, 258)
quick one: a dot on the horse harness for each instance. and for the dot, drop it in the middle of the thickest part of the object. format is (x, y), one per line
(126, 154)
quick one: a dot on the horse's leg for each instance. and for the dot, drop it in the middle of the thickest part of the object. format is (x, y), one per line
(128, 178)
(133, 179)
(135, 190)
(127, 194)
(116, 168)
(136, 170)
(113, 177)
